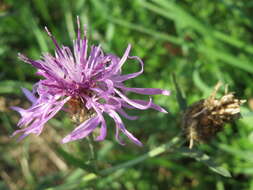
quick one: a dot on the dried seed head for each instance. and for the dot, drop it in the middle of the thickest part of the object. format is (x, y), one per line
(202, 120)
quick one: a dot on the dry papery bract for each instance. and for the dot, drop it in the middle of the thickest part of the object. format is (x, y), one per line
(203, 119)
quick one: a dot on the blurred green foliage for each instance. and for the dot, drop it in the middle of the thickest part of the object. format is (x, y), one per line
(201, 42)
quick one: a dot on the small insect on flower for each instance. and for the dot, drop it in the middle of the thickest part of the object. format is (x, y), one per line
(89, 85)
(202, 120)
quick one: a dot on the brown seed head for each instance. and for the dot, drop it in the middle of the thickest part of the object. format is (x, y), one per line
(202, 120)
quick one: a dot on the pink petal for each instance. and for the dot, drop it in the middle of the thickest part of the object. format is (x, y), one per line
(120, 125)
(82, 130)
(133, 103)
(146, 91)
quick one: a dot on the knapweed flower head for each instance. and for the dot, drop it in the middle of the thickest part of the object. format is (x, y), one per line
(88, 86)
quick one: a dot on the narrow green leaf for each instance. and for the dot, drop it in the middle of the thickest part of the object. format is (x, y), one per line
(174, 12)
(13, 87)
(233, 41)
(152, 153)
(220, 55)
(227, 58)
(36, 29)
(148, 31)
(243, 154)
(204, 158)
(200, 84)
(180, 98)
(70, 159)
(43, 9)
(182, 16)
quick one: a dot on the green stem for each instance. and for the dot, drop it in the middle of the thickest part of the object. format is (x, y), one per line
(152, 153)
(91, 147)
(93, 155)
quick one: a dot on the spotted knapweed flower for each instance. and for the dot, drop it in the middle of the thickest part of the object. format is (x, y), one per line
(90, 85)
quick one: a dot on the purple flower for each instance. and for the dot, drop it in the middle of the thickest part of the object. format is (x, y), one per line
(89, 85)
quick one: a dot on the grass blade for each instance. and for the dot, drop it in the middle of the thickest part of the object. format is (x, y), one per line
(205, 159)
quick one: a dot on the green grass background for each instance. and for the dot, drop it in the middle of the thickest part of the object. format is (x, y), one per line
(201, 42)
